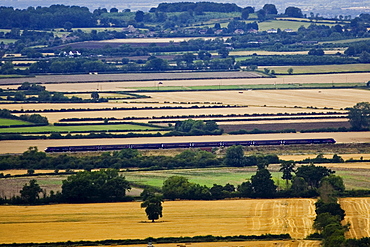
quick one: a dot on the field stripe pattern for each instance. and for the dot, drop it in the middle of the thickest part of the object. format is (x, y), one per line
(53, 223)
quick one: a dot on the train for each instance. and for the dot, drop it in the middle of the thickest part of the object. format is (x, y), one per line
(187, 145)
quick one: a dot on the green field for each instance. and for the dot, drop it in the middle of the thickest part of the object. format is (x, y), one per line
(354, 178)
(345, 41)
(8, 41)
(79, 128)
(8, 122)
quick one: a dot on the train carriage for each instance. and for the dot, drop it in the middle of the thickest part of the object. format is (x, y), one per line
(188, 145)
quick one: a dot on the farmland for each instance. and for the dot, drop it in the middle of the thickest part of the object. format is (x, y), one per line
(7, 122)
(182, 218)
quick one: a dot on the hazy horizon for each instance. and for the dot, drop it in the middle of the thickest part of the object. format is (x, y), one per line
(324, 8)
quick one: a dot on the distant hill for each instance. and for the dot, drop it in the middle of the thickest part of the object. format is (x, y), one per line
(325, 8)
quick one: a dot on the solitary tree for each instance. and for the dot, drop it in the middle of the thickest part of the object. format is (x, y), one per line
(153, 207)
(290, 71)
(95, 95)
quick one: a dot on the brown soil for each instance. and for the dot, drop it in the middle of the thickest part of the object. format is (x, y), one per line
(281, 126)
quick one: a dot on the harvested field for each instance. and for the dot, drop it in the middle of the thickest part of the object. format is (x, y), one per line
(19, 146)
(338, 68)
(55, 223)
(331, 98)
(99, 78)
(358, 215)
(120, 82)
(156, 113)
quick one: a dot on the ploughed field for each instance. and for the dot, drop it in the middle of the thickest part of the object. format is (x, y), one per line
(63, 222)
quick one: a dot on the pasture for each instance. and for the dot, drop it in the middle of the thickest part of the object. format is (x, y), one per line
(53, 223)
(8, 122)
(352, 174)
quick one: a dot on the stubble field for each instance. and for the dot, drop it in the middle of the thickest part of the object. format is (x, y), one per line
(181, 218)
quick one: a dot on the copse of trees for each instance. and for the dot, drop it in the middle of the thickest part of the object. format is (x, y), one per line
(105, 185)
(359, 116)
(46, 17)
(196, 127)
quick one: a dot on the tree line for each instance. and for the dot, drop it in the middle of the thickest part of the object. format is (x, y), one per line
(105, 185)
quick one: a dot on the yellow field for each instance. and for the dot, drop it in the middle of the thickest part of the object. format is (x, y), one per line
(334, 98)
(358, 215)
(54, 223)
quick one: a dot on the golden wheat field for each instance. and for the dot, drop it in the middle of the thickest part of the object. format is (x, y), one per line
(333, 98)
(358, 215)
(75, 222)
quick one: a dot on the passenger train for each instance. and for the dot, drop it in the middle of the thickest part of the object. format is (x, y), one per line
(188, 145)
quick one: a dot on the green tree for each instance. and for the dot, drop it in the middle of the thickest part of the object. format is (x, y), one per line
(299, 186)
(30, 192)
(290, 71)
(235, 156)
(156, 64)
(359, 115)
(270, 9)
(153, 207)
(223, 52)
(245, 14)
(95, 96)
(262, 184)
(139, 16)
(293, 12)
(313, 174)
(175, 187)
(287, 167)
(96, 186)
